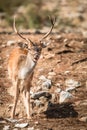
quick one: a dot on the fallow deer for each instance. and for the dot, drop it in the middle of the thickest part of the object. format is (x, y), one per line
(21, 65)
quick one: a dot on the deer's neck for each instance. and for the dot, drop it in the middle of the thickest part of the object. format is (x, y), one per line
(30, 61)
(28, 67)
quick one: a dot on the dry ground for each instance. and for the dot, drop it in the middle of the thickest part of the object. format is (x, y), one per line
(67, 57)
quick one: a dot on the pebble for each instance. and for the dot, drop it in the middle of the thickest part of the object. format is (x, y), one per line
(1, 67)
(46, 85)
(45, 82)
(6, 127)
(11, 120)
(83, 119)
(52, 73)
(21, 125)
(72, 84)
(39, 94)
(11, 42)
(59, 37)
(49, 56)
(2, 122)
(42, 77)
(64, 96)
(58, 90)
(86, 85)
(3, 46)
(65, 40)
(37, 103)
(67, 72)
(31, 128)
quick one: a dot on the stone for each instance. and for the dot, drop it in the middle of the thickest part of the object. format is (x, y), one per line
(52, 73)
(37, 103)
(31, 128)
(6, 127)
(11, 120)
(50, 56)
(67, 72)
(83, 119)
(42, 77)
(44, 82)
(58, 90)
(21, 125)
(2, 122)
(11, 42)
(37, 95)
(64, 96)
(47, 84)
(72, 84)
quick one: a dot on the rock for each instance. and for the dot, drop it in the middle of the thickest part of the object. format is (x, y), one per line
(72, 84)
(67, 72)
(2, 121)
(36, 122)
(64, 96)
(86, 85)
(3, 46)
(15, 129)
(40, 94)
(59, 37)
(65, 40)
(52, 73)
(50, 56)
(58, 90)
(11, 42)
(58, 84)
(1, 67)
(42, 77)
(83, 119)
(53, 98)
(11, 120)
(31, 128)
(46, 85)
(6, 127)
(21, 125)
(37, 103)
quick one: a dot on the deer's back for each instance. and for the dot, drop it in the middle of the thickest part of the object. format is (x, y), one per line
(15, 60)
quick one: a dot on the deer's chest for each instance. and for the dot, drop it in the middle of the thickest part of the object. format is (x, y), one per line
(26, 70)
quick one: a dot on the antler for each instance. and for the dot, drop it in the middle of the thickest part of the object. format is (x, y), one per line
(26, 39)
(52, 22)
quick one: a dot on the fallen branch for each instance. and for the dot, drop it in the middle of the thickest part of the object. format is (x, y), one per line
(79, 61)
(64, 52)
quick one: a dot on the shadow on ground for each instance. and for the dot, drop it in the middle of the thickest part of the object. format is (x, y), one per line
(61, 111)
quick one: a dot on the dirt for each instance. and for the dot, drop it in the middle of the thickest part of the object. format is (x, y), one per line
(67, 57)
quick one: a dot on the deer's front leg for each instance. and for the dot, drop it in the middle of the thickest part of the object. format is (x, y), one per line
(26, 95)
(16, 85)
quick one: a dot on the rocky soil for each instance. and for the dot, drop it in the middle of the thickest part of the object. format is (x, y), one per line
(59, 92)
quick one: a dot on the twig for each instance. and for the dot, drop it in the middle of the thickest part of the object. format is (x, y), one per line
(79, 61)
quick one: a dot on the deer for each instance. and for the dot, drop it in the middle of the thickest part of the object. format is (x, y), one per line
(21, 65)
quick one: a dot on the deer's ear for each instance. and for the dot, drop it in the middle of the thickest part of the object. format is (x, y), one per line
(20, 44)
(43, 44)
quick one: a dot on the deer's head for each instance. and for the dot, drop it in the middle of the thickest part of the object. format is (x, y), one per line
(33, 47)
